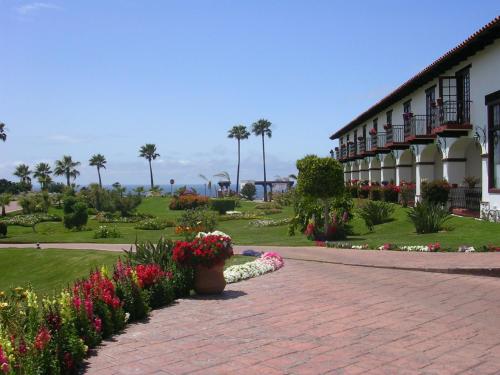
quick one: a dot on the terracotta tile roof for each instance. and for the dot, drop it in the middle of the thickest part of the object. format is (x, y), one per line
(486, 35)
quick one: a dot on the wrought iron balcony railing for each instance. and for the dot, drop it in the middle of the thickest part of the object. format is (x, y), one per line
(453, 112)
(352, 149)
(418, 126)
(395, 134)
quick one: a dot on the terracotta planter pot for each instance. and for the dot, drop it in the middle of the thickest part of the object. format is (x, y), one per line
(209, 280)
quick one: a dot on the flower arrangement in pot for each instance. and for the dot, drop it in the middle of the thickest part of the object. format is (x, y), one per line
(206, 253)
(373, 131)
(387, 126)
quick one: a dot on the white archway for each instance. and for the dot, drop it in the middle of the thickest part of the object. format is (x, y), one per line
(354, 171)
(374, 171)
(464, 160)
(388, 169)
(347, 172)
(430, 163)
(363, 171)
(406, 167)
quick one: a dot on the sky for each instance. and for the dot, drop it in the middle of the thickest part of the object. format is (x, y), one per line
(80, 77)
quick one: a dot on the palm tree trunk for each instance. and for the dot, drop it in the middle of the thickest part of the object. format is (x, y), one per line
(238, 172)
(99, 174)
(151, 174)
(67, 180)
(264, 159)
(3, 210)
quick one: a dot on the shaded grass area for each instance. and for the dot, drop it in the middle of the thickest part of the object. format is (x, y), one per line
(50, 270)
(462, 231)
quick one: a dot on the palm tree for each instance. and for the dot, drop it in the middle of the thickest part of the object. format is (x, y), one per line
(5, 199)
(23, 172)
(67, 167)
(263, 128)
(208, 184)
(238, 132)
(99, 161)
(42, 173)
(148, 152)
(3, 135)
(139, 190)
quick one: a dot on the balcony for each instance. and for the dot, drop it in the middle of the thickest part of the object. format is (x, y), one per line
(378, 143)
(364, 148)
(343, 152)
(352, 147)
(452, 118)
(418, 128)
(395, 137)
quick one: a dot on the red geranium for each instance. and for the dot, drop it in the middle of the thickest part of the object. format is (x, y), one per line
(207, 250)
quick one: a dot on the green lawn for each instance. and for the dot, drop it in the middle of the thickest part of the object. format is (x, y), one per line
(465, 231)
(49, 270)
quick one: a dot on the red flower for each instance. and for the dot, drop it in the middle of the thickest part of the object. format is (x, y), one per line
(42, 338)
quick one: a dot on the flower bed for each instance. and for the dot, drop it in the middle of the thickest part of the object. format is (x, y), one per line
(30, 220)
(432, 247)
(270, 222)
(267, 262)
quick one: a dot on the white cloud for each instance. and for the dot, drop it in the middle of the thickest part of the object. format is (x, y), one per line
(63, 138)
(33, 7)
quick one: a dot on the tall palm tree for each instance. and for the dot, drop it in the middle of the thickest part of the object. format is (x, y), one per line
(262, 128)
(67, 167)
(238, 132)
(99, 161)
(3, 135)
(208, 184)
(42, 173)
(23, 172)
(148, 152)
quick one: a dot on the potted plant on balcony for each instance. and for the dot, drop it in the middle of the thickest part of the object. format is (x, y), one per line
(373, 131)
(407, 115)
(387, 126)
(471, 181)
(439, 102)
(206, 254)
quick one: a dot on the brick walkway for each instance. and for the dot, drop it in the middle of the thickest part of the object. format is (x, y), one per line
(315, 318)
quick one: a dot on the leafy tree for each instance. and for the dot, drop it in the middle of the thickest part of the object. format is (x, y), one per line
(98, 161)
(262, 128)
(42, 173)
(75, 213)
(139, 190)
(119, 189)
(238, 132)
(67, 167)
(5, 199)
(321, 179)
(148, 152)
(3, 134)
(23, 172)
(248, 191)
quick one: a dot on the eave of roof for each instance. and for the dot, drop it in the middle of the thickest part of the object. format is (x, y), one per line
(477, 41)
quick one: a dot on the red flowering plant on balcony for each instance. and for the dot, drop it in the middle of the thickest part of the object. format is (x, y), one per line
(207, 249)
(387, 126)
(407, 115)
(373, 131)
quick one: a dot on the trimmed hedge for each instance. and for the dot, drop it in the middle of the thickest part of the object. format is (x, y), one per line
(188, 201)
(222, 205)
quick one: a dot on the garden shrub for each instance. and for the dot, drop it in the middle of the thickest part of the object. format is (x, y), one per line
(407, 191)
(248, 191)
(188, 201)
(435, 191)
(428, 217)
(35, 203)
(375, 212)
(284, 199)
(222, 205)
(353, 190)
(75, 213)
(3, 229)
(106, 232)
(364, 191)
(268, 206)
(194, 221)
(390, 193)
(376, 193)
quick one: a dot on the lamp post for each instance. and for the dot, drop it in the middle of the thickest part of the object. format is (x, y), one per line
(172, 182)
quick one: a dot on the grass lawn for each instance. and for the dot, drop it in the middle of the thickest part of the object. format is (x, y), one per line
(464, 231)
(49, 270)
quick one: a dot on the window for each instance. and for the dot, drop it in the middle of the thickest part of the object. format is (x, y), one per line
(375, 124)
(364, 131)
(493, 103)
(430, 105)
(407, 107)
(463, 95)
(388, 117)
(341, 140)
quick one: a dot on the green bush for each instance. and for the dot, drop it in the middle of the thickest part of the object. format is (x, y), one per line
(35, 203)
(222, 205)
(435, 191)
(201, 218)
(375, 193)
(3, 229)
(390, 193)
(375, 212)
(428, 217)
(284, 199)
(248, 191)
(75, 213)
(106, 232)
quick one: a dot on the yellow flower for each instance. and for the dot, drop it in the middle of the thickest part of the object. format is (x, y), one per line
(3, 305)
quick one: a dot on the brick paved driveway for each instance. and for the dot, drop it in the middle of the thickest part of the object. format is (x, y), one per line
(315, 318)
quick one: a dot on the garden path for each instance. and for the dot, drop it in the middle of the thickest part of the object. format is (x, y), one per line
(12, 207)
(318, 318)
(473, 263)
